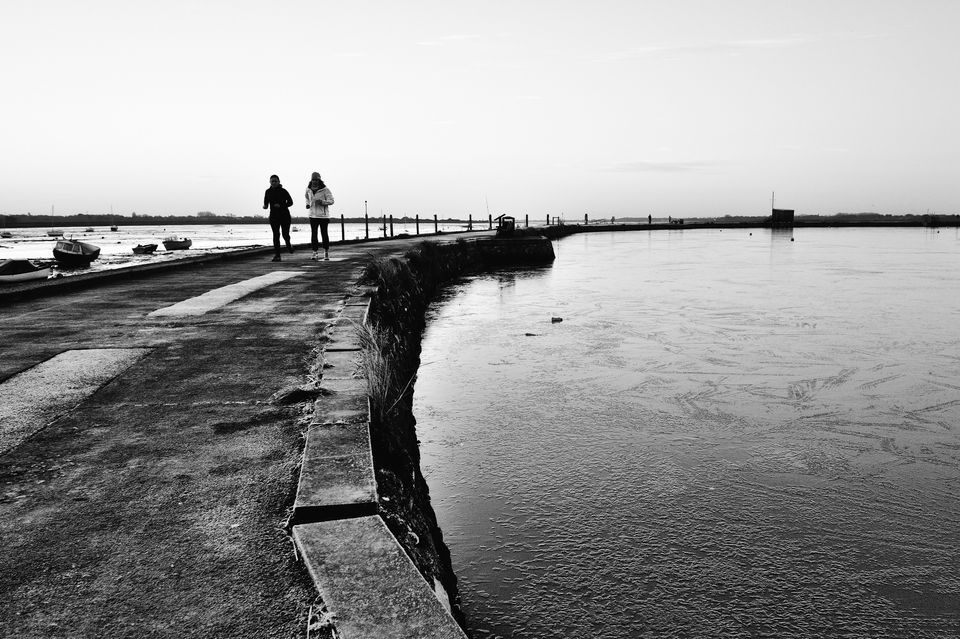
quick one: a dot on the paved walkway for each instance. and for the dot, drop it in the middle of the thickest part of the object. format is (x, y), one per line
(145, 475)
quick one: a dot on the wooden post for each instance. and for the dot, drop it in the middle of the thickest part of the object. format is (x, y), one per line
(470, 222)
(366, 222)
(384, 225)
(418, 223)
(435, 223)
(343, 229)
(391, 225)
(526, 220)
(586, 220)
(490, 221)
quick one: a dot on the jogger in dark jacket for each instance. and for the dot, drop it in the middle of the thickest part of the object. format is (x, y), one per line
(279, 202)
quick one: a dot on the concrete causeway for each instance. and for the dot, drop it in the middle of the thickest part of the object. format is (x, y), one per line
(186, 453)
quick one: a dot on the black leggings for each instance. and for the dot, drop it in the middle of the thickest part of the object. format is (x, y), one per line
(278, 226)
(321, 222)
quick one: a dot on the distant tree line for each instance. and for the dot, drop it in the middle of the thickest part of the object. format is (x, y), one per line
(205, 217)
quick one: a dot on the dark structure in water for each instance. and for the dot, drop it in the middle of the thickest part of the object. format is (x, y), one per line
(781, 218)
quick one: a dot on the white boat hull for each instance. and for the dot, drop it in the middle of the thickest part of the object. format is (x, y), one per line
(42, 274)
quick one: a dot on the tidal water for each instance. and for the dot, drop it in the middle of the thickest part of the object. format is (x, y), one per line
(116, 247)
(728, 435)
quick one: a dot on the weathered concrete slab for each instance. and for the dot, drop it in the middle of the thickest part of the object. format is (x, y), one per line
(342, 400)
(355, 313)
(31, 400)
(336, 478)
(222, 296)
(353, 385)
(343, 336)
(369, 584)
(340, 364)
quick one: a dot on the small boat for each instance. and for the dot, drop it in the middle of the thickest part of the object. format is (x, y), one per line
(22, 271)
(55, 233)
(113, 227)
(75, 252)
(6, 234)
(89, 229)
(174, 243)
(144, 249)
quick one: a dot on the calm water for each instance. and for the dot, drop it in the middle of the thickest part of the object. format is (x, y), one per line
(116, 247)
(728, 435)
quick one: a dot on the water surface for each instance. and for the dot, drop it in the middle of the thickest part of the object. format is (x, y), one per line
(728, 435)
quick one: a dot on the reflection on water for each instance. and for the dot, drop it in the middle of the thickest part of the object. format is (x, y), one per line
(728, 435)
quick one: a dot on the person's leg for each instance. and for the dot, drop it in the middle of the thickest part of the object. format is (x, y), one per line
(285, 227)
(326, 236)
(275, 227)
(314, 242)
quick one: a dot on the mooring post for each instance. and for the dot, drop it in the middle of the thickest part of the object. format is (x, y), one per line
(435, 223)
(470, 221)
(384, 225)
(526, 220)
(391, 225)
(585, 219)
(343, 229)
(490, 221)
(366, 222)
(418, 223)
(548, 219)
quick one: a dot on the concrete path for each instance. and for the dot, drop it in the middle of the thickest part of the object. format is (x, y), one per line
(145, 477)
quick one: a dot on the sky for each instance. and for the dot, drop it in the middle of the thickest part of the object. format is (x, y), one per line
(606, 108)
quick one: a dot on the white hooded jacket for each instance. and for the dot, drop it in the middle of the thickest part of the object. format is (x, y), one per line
(319, 202)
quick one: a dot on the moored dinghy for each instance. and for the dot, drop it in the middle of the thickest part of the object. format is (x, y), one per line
(75, 252)
(174, 243)
(144, 249)
(22, 271)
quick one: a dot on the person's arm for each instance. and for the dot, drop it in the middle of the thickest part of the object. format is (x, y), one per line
(327, 197)
(289, 201)
(266, 198)
(307, 195)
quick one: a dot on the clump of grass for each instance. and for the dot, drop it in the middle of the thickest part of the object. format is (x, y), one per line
(380, 370)
(404, 286)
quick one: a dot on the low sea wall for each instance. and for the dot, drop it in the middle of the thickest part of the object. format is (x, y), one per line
(362, 521)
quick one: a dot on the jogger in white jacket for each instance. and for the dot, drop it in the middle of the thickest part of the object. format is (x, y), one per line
(319, 199)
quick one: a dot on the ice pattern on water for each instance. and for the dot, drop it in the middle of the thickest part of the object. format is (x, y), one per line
(702, 464)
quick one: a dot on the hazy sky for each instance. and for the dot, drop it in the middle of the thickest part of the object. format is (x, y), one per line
(684, 108)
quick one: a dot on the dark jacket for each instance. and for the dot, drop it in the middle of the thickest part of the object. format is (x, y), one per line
(278, 201)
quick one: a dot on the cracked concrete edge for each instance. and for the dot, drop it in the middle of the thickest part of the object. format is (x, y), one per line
(342, 336)
(369, 584)
(340, 364)
(336, 510)
(336, 476)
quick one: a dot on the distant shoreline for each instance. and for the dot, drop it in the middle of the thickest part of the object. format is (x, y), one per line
(839, 219)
